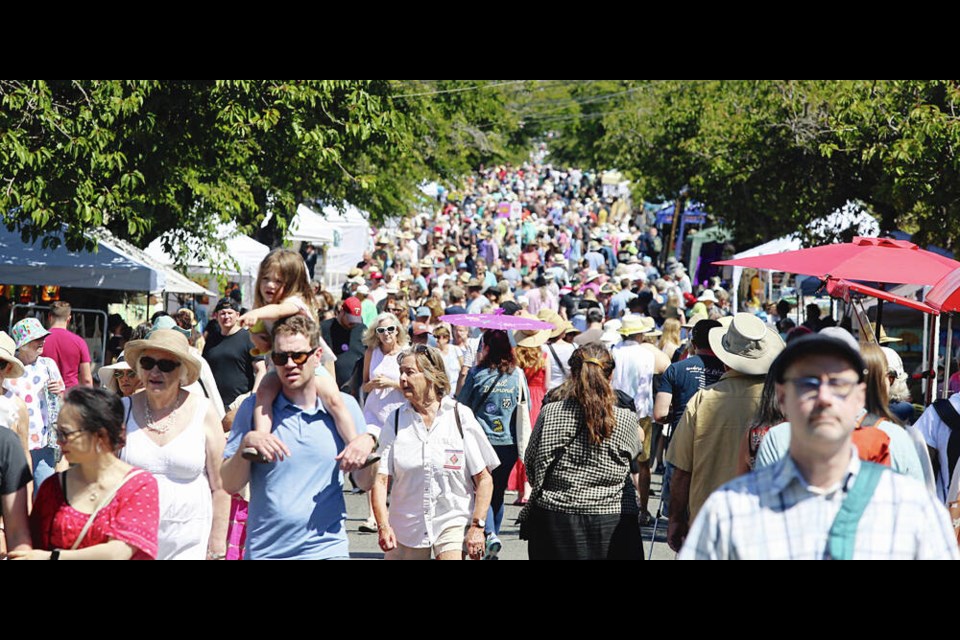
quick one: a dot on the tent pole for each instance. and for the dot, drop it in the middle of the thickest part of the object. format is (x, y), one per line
(946, 357)
(879, 317)
(934, 356)
(924, 360)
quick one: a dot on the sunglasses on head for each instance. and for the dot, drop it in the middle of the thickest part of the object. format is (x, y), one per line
(166, 366)
(126, 373)
(390, 329)
(299, 357)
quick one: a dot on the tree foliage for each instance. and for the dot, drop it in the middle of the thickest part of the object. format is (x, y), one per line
(147, 157)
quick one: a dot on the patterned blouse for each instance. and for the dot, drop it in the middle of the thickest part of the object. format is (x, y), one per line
(587, 479)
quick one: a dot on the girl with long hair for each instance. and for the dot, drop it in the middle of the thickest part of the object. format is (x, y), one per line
(584, 504)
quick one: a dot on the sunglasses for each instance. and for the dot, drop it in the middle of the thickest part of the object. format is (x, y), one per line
(390, 329)
(166, 366)
(299, 357)
(127, 373)
(65, 436)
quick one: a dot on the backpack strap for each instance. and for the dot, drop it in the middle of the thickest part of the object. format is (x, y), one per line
(843, 532)
(456, 415)
(951, 418)
(396, 423)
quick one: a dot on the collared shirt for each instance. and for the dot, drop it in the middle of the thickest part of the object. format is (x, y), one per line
(296, 506)
(432, 470)
(774, 514)
(706, 442)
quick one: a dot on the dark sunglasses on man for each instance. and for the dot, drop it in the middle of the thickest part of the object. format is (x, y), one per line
(299, 357)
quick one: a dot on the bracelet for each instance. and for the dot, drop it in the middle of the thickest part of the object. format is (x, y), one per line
(215, 556)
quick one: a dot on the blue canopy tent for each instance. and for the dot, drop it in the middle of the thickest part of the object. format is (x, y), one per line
(108, 268)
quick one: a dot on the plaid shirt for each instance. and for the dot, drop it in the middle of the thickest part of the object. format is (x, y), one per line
(772, 513)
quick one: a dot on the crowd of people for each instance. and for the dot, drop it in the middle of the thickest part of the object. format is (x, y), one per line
(775, 440)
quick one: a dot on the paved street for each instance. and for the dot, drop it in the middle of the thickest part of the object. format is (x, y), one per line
(363, 546)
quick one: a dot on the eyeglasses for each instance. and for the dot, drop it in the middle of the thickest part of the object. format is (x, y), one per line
(393, 310)
(65, 436)
(299, 357)
(808, 387)
(390, 329)
(127, 373)
(166, 366)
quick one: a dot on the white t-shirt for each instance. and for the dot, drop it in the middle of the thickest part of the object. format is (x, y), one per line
(432, 471)
(557, 373)
(633, 374)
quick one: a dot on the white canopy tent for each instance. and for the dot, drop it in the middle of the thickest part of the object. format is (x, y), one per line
(345, 237)
(240, 262)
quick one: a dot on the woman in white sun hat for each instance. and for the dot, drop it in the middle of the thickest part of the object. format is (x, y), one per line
(177, 436)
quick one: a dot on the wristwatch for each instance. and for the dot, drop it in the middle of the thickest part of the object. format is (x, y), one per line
(479, 523)
(55, 554)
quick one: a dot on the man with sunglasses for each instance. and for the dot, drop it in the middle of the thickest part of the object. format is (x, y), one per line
(235, 370)
(297, 510)
(821, 501)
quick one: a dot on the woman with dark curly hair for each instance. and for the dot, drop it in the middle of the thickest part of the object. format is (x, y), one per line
(583, 505)
(492, 390)
(101, 508)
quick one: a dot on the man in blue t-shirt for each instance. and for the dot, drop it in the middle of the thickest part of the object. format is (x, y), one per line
(297, 509)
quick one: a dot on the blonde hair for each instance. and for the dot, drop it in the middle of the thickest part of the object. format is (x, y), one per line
(530, 359)
(292, 273)
(370, 338)
(671, 332)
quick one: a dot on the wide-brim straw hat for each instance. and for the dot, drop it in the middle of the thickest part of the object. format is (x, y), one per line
(884, 338)
(748, 346)
(634, 324)
(551, 316)
(531, 337)
(174, 343)
(7, 348)
(694, 319)
(107, 381)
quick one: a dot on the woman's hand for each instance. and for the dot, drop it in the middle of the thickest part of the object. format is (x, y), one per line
(29, 554)
(475, 542)
(55, 387)
(388, 539)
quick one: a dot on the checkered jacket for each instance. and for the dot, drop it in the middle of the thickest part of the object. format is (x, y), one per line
(588, 479)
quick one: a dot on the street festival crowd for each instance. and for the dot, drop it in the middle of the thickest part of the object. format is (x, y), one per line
(524, 335)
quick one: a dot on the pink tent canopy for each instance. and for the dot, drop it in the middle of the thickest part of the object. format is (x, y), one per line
(870, 259)
(945, 295)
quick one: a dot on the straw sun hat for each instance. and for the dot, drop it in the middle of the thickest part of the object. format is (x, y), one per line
(7, 348)
(171, 342)
(531, 337)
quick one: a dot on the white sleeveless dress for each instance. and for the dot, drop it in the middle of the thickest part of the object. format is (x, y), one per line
(381, 402)
(180, 467)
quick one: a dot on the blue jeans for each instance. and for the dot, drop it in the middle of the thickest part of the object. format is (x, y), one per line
(501, 475)
(44, 463)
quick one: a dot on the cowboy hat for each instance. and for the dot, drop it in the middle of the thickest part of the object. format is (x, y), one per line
(884, 338)
(173, 343)
(7, 348)
(551, 316)
(591, 276)
(634, 324)
(531, 337)
(748, 346)
(694, 319)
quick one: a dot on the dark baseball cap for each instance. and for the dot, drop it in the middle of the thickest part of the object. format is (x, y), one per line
(817, 345)
(227, 303)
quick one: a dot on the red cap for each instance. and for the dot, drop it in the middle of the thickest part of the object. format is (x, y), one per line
(376, 275)
(420, 328)
(352, 306)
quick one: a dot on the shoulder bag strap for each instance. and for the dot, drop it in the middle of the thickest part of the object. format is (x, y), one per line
(106, 500)
(843, 532)
(557, 358)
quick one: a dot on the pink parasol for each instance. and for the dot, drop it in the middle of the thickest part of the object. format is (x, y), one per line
(495, 321)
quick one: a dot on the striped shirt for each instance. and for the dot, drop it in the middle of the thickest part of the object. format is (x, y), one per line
(774, 514)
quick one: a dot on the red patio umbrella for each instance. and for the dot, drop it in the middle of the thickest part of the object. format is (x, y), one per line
(945, 295)
(870, 259)
(840, 288)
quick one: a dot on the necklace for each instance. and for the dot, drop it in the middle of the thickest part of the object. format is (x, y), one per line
(162, 425)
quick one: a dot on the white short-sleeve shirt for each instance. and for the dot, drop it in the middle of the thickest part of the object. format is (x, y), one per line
(432, 471)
